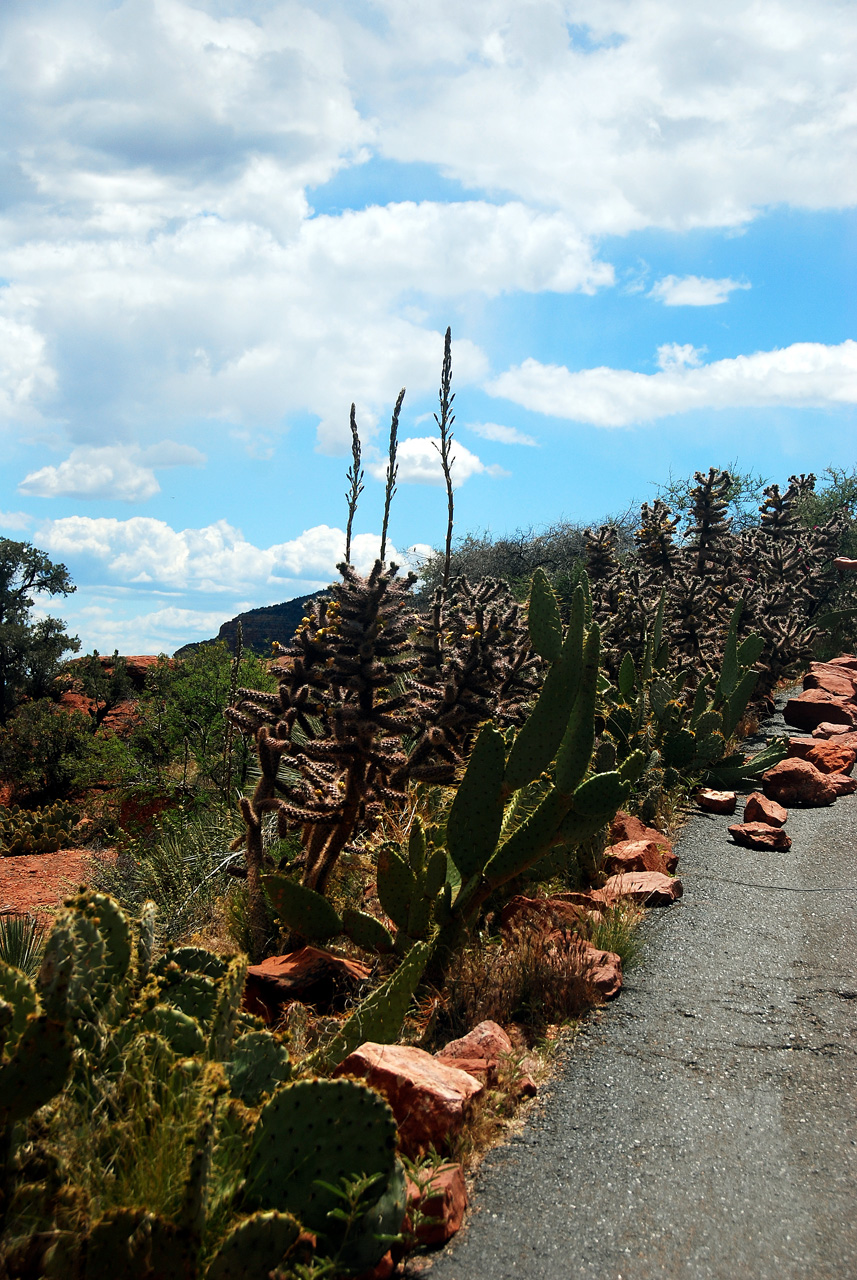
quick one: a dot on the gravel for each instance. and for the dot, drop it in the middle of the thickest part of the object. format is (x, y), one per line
(703, 1125)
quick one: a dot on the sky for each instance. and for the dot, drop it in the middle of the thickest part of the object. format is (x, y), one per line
(223, 222)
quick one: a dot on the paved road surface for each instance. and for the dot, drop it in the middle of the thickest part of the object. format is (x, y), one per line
(704, 1125)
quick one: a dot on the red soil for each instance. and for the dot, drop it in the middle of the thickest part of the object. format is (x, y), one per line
(39, 882)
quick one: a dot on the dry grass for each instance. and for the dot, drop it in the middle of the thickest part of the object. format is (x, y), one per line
(526, 977)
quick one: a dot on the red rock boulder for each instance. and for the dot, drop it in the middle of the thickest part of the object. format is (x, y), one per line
(483, 1053)
(831, 757)
(828, 730)
(429, 1099)
(310, 975)
(813, 706)
(716, 801)
(799, 748)
(835, 680)
(625, 827)
(545, 914)
(846, 660)
(637, 855)
(758, 835)
(437, 1207)
(603, 969)
(843, 785)
(649, 888)
(798, 783)
(758, 808)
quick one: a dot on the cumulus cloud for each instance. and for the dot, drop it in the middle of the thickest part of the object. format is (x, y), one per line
(26, 376)
(148, 554)
(418, 461)
(694, 291)
(802, 375)
(122, 473)
(503, 435)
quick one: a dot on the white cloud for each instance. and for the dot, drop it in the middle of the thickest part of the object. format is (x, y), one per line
(149, 555)
(158, 631)
(675, 355)
(802, 375)
(26, 377)
(15, 520)
(694, 291)
(503, 435)
(664, 113)
(418, 462)
(124, 473)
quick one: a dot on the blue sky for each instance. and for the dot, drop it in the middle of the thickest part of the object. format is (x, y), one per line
(223, 221)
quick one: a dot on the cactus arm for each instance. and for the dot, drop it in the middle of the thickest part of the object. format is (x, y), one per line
(540, 736)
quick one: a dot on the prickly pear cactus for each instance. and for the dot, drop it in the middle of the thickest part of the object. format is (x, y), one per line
(310, 1137)
(45, 830)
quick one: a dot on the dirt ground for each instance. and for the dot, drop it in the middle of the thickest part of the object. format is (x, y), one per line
(39, 882)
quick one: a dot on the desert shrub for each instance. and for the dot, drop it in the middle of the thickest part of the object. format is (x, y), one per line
(180, 866)
(22, 938)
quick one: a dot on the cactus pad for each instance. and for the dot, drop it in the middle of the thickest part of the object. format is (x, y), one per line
(255, 1247)
(318, 1130)
(366, 931)
(476, 816)
(544, 619)
(301, 909)
(257, 1065)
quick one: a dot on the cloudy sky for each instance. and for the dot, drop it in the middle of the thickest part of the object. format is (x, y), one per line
(224, 221)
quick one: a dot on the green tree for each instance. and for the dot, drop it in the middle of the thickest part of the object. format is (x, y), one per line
(182, 736)
(30, 650)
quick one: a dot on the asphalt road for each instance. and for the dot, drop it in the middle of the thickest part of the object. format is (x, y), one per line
(703, 1125)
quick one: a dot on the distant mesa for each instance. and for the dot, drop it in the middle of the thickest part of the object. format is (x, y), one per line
(261, 627)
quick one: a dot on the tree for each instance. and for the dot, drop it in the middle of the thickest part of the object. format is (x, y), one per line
(29, 650)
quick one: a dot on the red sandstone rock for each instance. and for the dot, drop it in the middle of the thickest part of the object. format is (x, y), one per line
(624, 827)
(797, 782)
(846, 661)
(77, 702)
(813, 706)
(637, 855)
(603, 969)
(758, 835)
(828, 730)
(650, 888)
(429, 1099)
(799, 748)
(832, 757)
(716, 801)
(758, 808)
(481, 1053)
(835, 680)
(846, 564)
(487, 1040)
(844, 785)
(310, 975)
(439, 1206)
(121, 719)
